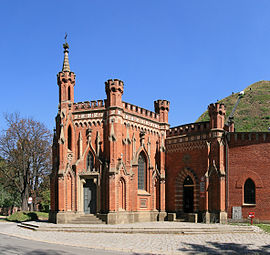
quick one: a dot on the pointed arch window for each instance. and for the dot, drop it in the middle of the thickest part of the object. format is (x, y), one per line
(90, 162)
(141, 172)
(69, 138)
(249, 192)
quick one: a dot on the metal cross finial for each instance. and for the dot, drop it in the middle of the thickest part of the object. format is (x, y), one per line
(66, 37)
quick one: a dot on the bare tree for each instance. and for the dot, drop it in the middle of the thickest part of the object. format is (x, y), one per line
(26, 148)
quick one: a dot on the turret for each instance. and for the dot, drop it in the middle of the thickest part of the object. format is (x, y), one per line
(66, 80)
(217, 115)
(114, 90)
(162, 108)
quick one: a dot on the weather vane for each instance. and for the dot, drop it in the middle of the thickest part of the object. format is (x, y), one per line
(65, 45)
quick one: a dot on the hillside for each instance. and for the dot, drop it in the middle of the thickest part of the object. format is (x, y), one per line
(253, 111)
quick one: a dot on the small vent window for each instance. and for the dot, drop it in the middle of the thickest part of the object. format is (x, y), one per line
(69, 97)
(249, 192)
(69, 138)
(90, 162)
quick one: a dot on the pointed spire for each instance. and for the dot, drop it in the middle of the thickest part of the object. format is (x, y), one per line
(66, 67)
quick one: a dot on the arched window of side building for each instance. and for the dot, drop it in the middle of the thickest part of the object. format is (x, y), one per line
(90, 162)
(249, 192)
(142, 175)
(69, 138)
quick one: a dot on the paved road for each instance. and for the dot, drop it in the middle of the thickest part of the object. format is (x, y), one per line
(257, 242)
(10, 245)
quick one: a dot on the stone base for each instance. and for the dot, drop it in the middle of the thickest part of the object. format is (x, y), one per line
(171, 216)
(63, 217)
(111, 217)
(162, 216)
(192, 217)
(131, 217)
(223, 217)
(206, 217)
(214, 217)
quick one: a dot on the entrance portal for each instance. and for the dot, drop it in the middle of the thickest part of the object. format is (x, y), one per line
(90, 196)
(188, 199)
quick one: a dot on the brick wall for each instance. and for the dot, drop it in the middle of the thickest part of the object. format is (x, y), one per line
(181, 162)
(249, 158)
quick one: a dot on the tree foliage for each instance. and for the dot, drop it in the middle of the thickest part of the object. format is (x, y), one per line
(25, 147)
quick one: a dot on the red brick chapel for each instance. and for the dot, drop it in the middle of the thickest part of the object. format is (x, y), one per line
(119, 163)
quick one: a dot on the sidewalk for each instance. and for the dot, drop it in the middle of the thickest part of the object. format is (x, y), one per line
(222, 242)
(142, 228)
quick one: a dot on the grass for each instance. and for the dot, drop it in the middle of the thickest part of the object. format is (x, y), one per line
(265, 227)
(251, 115)
(27, 216)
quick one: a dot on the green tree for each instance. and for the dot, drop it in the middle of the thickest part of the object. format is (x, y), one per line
(25, 146)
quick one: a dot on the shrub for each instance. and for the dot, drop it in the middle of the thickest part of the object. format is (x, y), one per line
(22, 216)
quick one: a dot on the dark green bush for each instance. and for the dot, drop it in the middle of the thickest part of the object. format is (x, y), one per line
(22, 216)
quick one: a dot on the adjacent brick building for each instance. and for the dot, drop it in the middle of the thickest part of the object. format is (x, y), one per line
(123, 163)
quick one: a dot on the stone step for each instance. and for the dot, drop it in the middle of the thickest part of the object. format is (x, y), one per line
(177, 231)
(86, 219)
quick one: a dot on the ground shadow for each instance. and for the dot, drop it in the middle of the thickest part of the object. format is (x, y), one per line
(8, 249)
(224, 248)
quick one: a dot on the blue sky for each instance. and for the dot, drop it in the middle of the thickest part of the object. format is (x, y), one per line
(191, 52)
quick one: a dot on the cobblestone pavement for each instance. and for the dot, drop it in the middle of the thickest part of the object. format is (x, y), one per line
(252, 243)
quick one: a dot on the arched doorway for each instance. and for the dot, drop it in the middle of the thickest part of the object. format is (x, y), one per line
(89, 196)
(188, 195)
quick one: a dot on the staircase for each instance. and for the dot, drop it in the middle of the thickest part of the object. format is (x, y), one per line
(86, 219)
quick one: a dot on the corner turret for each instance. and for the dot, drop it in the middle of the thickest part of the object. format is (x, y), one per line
(114, 90)
(217, 113)
(162, 108)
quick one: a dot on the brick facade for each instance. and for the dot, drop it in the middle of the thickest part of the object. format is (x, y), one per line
(124, 164)
(113, 135)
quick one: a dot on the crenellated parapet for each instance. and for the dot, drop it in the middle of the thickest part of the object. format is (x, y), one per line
(89, 105)
(161, 105)
(193, 128)
(141, 112)
(66, 77)
(247, 138)
(114, 85)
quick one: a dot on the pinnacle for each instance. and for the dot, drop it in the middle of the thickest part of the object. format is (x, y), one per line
(66, 67)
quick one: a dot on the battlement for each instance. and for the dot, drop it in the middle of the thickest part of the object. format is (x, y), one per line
(133, 109)
(189, 128)
(93, 105)
(247, 138)
(65, 77)
(217, 108)
(161, 105)
(114, 85)
(217, 113)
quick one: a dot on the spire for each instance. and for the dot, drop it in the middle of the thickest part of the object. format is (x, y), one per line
(66, 67)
